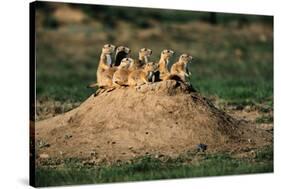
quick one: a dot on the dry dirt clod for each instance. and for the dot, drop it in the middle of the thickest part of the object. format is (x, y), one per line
(44, 156)
(94, 153)
(67, 136)
(201, 147)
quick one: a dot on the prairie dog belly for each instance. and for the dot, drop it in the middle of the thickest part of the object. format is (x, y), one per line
(120, 77)
(105, 77)
(135, 78)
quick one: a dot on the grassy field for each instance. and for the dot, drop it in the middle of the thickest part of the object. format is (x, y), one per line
(233, 59)
(233, 64)
(148, 168)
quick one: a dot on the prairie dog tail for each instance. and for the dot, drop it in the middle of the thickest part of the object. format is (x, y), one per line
(93, 85)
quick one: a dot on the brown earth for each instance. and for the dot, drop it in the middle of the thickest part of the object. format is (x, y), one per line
(163, 118)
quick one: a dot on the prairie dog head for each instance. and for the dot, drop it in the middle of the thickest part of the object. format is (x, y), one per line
(125, 63)
(145, 52)
(185, 58)
(108, 49)
(124, 49)
(151, 66)
(166, 54)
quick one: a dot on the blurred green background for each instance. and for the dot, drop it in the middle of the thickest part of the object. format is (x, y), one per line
(233, 53)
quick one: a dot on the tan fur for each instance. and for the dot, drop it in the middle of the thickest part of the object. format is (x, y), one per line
(179, 68)
(105, 71)
(120, 77)
(144, 55)
(140, 76)
(121, 52)
(164, 60)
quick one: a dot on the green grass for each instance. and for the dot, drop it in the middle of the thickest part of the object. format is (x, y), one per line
(232, 62)
(147, 168)
(264, 119)
(63, 76)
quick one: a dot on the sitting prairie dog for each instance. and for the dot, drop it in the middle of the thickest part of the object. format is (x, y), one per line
(120, 77)
(180, 68)
(144, 55)
(104, 71)
(141, 76)
(164, 62)
(105, 57)
(121, 52)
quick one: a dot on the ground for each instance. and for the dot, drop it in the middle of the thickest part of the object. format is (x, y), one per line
(233, 67)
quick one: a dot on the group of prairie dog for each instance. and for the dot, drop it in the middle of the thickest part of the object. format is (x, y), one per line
(126, 71)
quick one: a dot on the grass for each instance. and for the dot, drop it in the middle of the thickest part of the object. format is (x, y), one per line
(231, 64)
(147, 168)
(264, 119)
(233, 61)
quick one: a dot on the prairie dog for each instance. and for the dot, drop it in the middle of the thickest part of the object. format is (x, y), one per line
(180, 68)
(141, 76)
(144, 54)
(120, 77)
(164, 61)
(104, 69)
(121, 52)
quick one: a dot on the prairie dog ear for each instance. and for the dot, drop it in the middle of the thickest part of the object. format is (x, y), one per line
(120, 48)
(127, 50)
(108, 45)
(183, 56)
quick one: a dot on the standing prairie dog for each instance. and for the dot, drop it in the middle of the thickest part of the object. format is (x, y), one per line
(121, 52)
(144, 54)
(105, 71)
(120, 77)
(105, 57)
(180, 68)
(141, 76)
(164, 62)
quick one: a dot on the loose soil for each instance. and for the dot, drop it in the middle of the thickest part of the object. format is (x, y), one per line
(163, 118)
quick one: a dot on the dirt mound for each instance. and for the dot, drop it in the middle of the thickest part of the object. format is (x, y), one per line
(163, 118)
